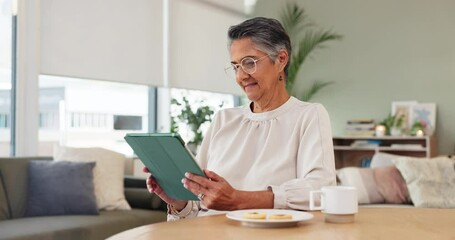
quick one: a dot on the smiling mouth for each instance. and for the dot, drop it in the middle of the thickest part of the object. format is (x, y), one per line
(249, 85)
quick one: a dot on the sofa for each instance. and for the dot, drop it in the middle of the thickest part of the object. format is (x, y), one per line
(144, 208)
(403, 181)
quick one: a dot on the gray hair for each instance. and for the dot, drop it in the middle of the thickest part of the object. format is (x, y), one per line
(267, 34)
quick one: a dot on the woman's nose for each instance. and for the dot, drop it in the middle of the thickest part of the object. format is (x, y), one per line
(241, 74)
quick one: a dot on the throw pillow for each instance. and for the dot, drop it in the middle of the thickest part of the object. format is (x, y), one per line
(375, 185)
(4, 208)
(431, 182)
(60, 188)
(107, 175)
(391, 185)
(363, 180)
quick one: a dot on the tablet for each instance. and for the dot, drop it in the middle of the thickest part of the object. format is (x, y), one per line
(167, 158)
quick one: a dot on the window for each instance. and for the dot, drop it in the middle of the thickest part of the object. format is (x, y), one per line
(127, 122)
(5, 76)
(88, 113)
(196, 99)
(4, 120)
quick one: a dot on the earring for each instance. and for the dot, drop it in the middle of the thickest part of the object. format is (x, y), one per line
(281, 78)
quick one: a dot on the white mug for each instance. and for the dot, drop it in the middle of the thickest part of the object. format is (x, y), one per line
(336, 200)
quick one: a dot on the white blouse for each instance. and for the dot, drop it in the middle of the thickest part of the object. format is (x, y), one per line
(288, 150)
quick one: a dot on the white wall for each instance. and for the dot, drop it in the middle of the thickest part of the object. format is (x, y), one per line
(392, 50)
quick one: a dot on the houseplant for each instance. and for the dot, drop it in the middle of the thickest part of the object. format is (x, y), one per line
(193, 118)
(305, 39)
(393, 124)
(416, 127)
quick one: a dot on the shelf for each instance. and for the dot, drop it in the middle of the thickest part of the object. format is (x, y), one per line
(382, 138)
(348, 148)
(403, 149)
(354, 151)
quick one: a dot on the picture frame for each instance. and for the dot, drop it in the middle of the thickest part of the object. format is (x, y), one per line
(425, 113)
(404, 108)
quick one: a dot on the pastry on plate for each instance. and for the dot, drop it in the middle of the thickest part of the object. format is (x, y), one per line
(280, 216)
(255, 215)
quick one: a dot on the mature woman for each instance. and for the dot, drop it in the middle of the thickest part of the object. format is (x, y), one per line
(269, 154)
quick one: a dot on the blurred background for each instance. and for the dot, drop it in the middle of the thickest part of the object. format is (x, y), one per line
(83, 73)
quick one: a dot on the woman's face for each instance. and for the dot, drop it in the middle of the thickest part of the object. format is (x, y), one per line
(263, 83)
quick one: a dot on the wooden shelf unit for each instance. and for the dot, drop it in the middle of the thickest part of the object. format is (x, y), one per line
(347, 155)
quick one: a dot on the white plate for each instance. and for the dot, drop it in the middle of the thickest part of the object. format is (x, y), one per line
(297, 216)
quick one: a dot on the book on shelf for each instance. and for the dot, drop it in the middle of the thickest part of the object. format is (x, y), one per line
(369, 126)
(359, 133)
(360, 127)
(365, 143)
(361, 121)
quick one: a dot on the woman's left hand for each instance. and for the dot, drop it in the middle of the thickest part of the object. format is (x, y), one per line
(217, 193)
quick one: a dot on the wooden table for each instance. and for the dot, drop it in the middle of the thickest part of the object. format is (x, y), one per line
(370, 223)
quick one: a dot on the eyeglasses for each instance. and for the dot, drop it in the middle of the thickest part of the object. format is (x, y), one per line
(248, 65)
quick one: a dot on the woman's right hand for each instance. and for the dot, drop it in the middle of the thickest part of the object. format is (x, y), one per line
(153, 187)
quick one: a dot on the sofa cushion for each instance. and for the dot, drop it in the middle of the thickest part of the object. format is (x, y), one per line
(14, 173)
(107, 175)
(431, 182)
(391, 185)
(60, 188)
(101, 226)
(363, 180)
(375, 185)
(4, 208)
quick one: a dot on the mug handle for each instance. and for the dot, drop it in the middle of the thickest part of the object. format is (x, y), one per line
(312, 202)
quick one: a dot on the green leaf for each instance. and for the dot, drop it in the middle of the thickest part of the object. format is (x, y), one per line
(294, 19)
(192, 118)
(306, 38)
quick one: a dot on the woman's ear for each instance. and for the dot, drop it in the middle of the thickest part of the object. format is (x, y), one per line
(283, 59)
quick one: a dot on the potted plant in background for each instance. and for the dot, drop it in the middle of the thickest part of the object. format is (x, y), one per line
(418, 128)
(194, 119)
(393, 124)
(305, 39)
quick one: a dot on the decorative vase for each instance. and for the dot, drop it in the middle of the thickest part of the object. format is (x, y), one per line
(395, 131)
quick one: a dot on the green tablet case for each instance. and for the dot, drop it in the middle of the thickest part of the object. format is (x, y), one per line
(165, 155)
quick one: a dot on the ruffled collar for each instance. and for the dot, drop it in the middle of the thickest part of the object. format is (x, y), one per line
(264, 116)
